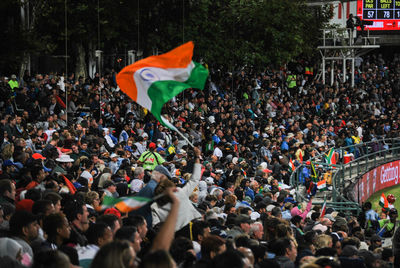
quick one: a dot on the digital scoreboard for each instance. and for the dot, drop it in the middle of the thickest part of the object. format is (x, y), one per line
(385, 14)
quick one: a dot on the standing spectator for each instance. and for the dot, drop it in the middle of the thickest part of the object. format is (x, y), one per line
(150, 159)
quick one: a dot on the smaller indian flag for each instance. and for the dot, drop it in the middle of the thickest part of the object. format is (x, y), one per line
(291, 165)
(125, 204)
(321, 185)
(383, 201)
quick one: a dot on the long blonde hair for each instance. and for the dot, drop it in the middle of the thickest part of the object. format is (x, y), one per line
(8, 151)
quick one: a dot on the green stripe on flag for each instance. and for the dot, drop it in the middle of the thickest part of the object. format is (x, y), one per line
(329, 155)
(161, 92)
(111, 201)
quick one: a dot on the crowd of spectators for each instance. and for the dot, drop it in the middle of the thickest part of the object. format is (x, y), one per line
(67, 142)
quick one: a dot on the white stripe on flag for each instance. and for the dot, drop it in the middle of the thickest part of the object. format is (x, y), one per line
(146, 76)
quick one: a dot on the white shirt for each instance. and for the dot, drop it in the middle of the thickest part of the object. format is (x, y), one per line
(136, 185)
(187, 212)
(217, 152)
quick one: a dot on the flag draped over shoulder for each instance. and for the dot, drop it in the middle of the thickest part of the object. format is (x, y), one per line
(125, 204)
(155, 80)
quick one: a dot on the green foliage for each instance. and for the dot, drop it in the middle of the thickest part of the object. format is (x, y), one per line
(228, 32)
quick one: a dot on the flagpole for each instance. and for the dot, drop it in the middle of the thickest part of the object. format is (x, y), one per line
(172, 127)
(184, 137)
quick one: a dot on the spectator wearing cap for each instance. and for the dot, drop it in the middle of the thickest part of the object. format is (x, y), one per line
(24, 229)
(150, 158)
(242, 226)
(64, 163)
(113, 164)
(8, 168)
(110, 189)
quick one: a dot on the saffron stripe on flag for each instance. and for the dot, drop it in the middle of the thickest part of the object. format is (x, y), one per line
(321, 184)
(179, 57)
(153, 81)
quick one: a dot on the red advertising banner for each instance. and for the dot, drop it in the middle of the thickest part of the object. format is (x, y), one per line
(377, 179)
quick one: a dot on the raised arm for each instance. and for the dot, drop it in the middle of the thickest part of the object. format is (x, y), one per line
(166, 234)
(195, 178)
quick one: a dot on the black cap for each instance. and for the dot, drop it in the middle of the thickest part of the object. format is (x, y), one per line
(163, 170)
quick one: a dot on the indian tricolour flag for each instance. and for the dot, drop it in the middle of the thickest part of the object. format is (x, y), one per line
(125, 204)
(155, 80)
(383, 202)
(321, 185)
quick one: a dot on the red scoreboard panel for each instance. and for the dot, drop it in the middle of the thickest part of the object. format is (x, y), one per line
(385, 14)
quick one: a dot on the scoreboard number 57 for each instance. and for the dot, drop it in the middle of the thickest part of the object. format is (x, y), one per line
(371, 14)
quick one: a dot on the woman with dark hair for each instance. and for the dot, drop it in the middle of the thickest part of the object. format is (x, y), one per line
(117, 254)
(57, 229)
